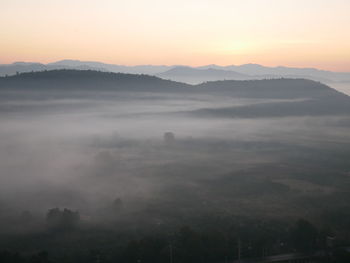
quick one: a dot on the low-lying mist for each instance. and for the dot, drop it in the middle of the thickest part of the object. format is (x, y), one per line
(86, 153)
(103, 167)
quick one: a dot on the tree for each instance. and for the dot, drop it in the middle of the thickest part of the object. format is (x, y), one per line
(169, 137)
(62, 219)
(304, 236)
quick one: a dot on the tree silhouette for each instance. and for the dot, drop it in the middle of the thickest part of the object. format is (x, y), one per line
(304, 236)
(62, 219)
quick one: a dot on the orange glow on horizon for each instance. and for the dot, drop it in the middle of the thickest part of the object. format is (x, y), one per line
(194, 32)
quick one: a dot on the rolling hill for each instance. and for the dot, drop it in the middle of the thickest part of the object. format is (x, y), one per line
(299, 97)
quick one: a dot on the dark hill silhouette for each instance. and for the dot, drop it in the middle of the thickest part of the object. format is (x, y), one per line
(86, 80)
(304, 97)
(273, 88)
(308, 98)
(97, 80)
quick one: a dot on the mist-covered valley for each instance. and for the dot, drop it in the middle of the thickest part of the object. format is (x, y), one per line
(151, 158)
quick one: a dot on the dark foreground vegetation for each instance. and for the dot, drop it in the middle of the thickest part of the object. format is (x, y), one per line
(64, 237)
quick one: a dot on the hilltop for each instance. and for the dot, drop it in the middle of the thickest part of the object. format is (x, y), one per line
(299, 96)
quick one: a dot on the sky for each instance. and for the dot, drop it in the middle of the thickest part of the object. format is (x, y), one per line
(299, 33)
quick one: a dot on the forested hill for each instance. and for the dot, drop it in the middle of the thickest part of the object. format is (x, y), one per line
(274, 88)
(96, 81)
(87, 79)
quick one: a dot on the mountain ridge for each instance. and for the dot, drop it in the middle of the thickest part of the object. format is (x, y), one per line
(49, 77)
(248, 71)
(302, 97)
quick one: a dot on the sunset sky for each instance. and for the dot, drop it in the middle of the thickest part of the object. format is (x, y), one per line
(301, 33)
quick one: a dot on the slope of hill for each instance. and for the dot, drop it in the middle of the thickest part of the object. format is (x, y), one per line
(303, 98)
(65, 79)
(281, 88)
(98, 80)
(299, 97)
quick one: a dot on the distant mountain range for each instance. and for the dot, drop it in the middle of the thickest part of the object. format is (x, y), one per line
(191, 75)
(300, 97)
(196, 76)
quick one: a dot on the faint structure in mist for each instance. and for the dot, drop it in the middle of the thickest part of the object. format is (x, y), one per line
(117, 204)
(169, 137)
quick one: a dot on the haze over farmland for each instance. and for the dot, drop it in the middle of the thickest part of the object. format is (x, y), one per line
(181, 132)
(93, 142)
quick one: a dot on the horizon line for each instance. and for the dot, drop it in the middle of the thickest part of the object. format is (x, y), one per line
(168, 65)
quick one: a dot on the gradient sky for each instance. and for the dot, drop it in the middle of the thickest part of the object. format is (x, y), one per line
(301, 33)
